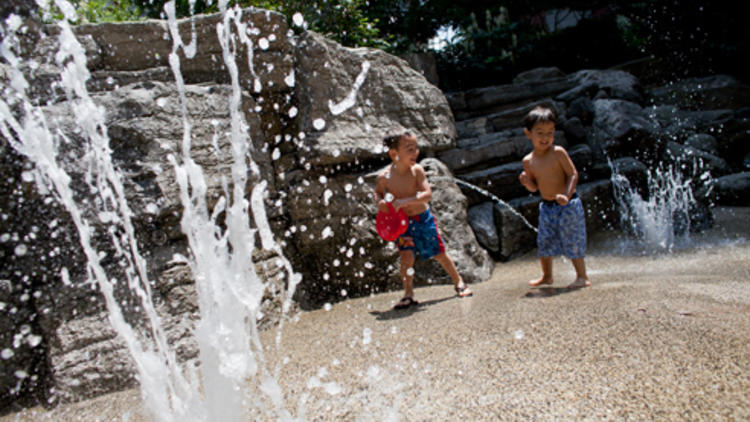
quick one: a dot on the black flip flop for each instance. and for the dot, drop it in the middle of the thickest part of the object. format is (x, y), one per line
(405, 302)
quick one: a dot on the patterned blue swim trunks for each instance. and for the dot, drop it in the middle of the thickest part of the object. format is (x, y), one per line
(422, 236)
(562, 229)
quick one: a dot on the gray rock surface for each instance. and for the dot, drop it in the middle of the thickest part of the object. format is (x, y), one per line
(703, 142)
(482, 221)
(733, 189)
(622, 129)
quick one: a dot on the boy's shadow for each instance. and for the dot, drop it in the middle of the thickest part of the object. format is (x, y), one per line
(537, 292)
(403, 313)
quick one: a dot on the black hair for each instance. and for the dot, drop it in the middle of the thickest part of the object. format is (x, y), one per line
(539, 114)
(391, 141)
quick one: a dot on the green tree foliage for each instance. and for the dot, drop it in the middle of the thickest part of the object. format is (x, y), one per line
(345, 21)
(92, 11)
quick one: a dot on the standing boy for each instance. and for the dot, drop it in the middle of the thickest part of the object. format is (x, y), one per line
(562, 223)
(404, 183)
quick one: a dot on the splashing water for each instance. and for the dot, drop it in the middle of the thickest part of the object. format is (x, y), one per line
(221, 260)
(663, 218)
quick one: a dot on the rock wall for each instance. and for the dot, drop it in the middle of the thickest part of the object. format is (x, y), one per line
(606, 119)
(315, 113)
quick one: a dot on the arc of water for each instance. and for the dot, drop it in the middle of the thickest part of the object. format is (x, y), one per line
(489, 195)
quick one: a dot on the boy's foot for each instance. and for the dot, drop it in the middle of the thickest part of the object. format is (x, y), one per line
(462, 290)
(542, 280)
(405, 302)
(579, 283)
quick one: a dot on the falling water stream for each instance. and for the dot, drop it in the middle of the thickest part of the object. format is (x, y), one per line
(220, 259)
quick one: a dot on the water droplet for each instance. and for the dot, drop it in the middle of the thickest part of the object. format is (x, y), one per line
(343, 292)
(410, 271)
(319, 124)
(298, 19)
(263, 43)
(292, 112)
(21, 249)
(34, 340)
(327, 307)
(27, 176)
(388, 197)
(366, 336)
(518, 334)
(7, 354)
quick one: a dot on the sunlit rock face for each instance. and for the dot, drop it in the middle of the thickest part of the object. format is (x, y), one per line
(316, 114)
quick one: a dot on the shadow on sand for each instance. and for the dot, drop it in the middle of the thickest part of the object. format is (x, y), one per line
(537, 292)
(403, 313)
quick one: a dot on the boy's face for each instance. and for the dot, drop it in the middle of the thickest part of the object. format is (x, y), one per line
(406, 152)
(542, 135)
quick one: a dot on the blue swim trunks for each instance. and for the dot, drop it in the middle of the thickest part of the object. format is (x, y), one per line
(562, 229)
(422, 236)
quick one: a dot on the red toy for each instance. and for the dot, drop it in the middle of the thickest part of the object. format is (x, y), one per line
(392, 224)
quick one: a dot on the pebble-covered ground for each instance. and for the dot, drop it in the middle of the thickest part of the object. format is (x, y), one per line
(660, 336)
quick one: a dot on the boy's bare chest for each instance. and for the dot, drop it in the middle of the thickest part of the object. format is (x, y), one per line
(401, 185)
(547, 168)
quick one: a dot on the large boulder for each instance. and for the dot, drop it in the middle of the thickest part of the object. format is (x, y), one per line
(388, 94)
(617, 85)
(528, 87)
(623, 129)
(733, 189)
(482, 221)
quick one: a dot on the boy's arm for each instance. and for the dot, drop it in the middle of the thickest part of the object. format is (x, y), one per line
(571, 174)
(424, 191)
(379, 193)
(527, 177)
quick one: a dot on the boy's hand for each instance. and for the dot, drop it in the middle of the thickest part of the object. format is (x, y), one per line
(561, 199)
(383, 205)
(399, 203)
(527, 182)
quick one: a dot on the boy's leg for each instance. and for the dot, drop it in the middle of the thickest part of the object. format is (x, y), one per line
(582, 280)
(546, 277)
(450, 267)
(407, 276)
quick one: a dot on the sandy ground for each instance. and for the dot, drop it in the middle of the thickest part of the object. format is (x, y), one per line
(659, 336)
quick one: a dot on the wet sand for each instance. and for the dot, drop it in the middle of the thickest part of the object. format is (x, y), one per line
(663, 336)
